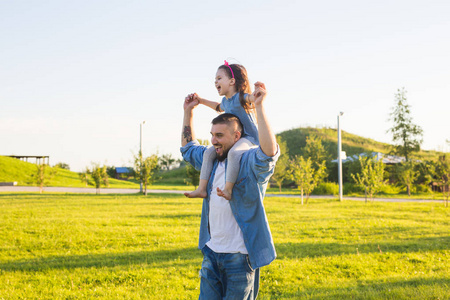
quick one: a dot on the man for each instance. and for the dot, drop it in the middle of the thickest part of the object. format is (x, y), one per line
(235, 237)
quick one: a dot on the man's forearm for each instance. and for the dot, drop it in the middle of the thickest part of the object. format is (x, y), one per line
(187, 132)
(267, 139)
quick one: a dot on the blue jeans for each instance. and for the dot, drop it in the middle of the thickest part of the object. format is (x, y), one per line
(227, 276)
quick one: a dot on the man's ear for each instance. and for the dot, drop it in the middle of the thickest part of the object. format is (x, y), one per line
(237, 135)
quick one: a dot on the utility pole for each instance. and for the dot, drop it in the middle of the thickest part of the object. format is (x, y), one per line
(339, 156)
(141, 154)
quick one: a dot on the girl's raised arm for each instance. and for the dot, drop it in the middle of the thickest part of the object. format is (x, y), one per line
(212, 104)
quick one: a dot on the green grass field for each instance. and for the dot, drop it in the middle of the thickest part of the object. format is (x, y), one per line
(65, 246)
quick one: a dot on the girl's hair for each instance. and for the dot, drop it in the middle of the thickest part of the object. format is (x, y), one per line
(242, 84)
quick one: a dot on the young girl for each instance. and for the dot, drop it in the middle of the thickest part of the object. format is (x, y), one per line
(232, 83)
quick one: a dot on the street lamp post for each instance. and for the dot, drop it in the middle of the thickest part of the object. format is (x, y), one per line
(140, 152)
(339, 155)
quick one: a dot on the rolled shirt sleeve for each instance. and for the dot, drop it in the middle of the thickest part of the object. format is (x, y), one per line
(193, 152)
(264, 165)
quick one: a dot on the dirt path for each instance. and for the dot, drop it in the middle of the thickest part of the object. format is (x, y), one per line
(80, 190)
(33, 189)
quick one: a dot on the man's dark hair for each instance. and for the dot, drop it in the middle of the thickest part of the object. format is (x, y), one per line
(228, 119)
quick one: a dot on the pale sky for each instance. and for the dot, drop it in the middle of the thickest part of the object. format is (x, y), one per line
(78, 77)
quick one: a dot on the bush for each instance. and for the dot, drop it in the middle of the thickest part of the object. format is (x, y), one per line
(62, 165)
(390, 189)
(173, 177)
(423, 188)
(326, 188)
(352, 188)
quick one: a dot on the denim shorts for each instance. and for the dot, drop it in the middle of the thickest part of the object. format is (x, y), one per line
(227, 276)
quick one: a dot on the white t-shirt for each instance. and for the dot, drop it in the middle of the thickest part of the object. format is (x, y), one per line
(226, 236)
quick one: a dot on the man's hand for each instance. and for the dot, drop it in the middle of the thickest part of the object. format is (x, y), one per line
(191, 101)
(260, 93)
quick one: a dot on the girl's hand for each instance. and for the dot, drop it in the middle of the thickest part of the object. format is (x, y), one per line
(260, 93)
(251, 97)
(193, 97)
(191, 101)
(190, 97)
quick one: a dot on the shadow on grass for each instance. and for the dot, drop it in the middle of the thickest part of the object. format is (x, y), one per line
(170, 216)
(302, 250)
(158, 259)
(420, 288)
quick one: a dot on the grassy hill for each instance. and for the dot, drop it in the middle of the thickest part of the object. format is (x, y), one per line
(351, 143)
(12, 169)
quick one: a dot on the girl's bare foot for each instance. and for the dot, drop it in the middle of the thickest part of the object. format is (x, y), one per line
(196, 194)
(226, 194)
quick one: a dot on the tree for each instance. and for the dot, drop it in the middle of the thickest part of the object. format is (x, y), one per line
(315, 150)
(371, 178)
(426, 174)
(443, 176)
(167, 161)
(43, 175)
(99, 176)
(62, 165)
(281, 172)
(306, 176)
(407, 174)
(84, 176)
(111, 171)
(145, 169)
(406, 136)
(193, 176)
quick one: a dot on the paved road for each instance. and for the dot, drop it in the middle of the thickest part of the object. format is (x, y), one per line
(80, 190)
(361, 198)
(134, 191)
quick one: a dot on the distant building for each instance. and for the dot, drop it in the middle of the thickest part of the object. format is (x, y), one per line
(40, 159)
(123, 173)
(386, 158)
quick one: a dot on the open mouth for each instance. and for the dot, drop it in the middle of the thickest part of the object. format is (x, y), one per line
(220, 152)
(218, 148)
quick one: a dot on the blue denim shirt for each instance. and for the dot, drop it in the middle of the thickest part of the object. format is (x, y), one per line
(248, 120)
(246, 203)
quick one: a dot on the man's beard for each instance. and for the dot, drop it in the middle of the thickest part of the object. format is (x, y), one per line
(223, 156)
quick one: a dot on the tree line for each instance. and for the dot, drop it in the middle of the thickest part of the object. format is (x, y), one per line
(313, 167)
(144, 170)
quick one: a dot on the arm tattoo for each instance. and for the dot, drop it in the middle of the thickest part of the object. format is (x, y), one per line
(187, 133)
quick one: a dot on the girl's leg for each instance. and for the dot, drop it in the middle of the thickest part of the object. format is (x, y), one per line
(234, 159)
(205, 172)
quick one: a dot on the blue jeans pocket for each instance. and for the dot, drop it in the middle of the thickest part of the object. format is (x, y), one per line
(248, 265)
